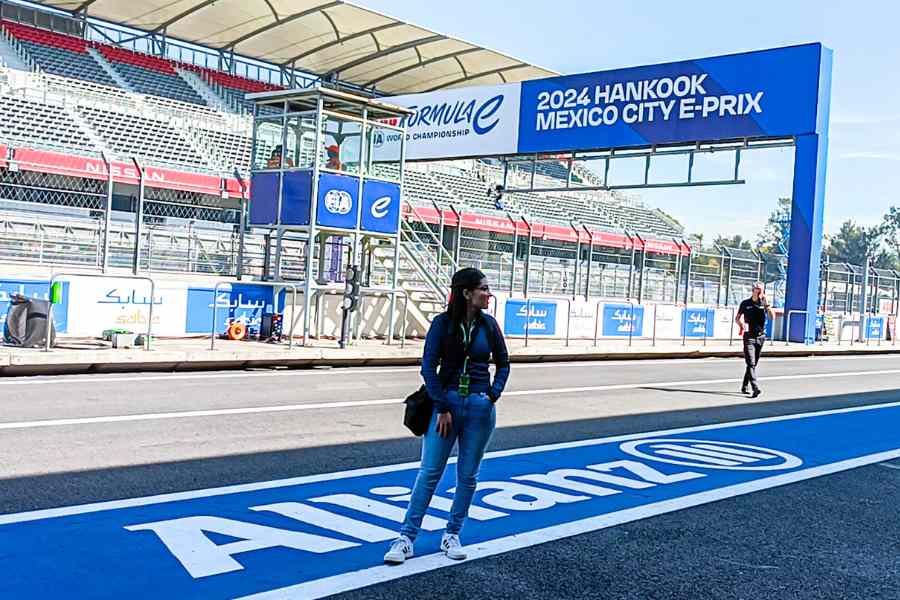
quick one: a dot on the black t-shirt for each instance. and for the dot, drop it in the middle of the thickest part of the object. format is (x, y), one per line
(754, 316)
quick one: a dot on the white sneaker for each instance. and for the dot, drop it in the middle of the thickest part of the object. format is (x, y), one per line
(451, 547)
(400, 550)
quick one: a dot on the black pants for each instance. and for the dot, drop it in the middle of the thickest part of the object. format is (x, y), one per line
(752, 349)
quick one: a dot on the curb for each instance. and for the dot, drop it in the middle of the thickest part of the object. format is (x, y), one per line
(59, 364)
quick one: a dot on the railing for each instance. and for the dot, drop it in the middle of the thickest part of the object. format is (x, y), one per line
(275, 285)
(528, 315)
(55, 278)
(787, 330)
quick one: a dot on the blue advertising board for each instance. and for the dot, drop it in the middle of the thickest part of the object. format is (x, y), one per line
(623, 320)
(264, 199)
(338, 201)
(380, 207)
(239, 302)
(874, 328)
(297, 188)
(539, 316)
(698, 322)
(35, 289)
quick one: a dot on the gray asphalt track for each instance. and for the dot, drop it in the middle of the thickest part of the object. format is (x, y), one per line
(832, 537)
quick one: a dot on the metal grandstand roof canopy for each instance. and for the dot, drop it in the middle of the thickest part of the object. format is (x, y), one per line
(329, 38)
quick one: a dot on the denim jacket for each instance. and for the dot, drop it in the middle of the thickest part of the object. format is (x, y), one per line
(442, 360)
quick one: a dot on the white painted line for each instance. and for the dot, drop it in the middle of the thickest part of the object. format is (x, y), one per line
(366, 577)
(394, 401)
(95, 379)
(51, 513)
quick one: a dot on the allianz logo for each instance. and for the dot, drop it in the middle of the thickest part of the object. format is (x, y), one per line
(711, 455)
(482, 116)
(348, 519)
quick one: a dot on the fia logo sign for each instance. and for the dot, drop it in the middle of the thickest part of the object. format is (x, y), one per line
(338, 202)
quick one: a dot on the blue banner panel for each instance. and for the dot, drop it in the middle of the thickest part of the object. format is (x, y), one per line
(698, 322)
(240, 302)
(620, 319)
(338, 201)
(290, 535)
(380, 206)
(539, 316)
(35, 289)
(874, 328)
(769, 93)
(296, 192)
(264, 199)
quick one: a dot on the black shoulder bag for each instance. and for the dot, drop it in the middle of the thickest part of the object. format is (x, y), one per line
(420, 406)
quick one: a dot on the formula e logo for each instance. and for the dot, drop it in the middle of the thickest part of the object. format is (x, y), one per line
(482, 117)
(338, 202)
(709, 454)
(380, 207)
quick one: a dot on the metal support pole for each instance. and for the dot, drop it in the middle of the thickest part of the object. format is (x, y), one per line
(640, 294)
(590, 261)
(456, 246)
(138, 219)
(577, 259)
(863, 298)
(107, 219)
(528, 256)
(314, 194)
(730, 273)
(677, 270)
(515, 252)
(630, 264)
(687, 276)
(239, 268)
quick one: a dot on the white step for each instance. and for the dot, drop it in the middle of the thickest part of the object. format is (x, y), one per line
(104, 64)
(10, 57)
(206, 92)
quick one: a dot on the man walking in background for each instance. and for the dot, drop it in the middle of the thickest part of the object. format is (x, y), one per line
(751, 319)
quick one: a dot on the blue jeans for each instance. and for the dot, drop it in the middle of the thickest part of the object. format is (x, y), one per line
(473, 424)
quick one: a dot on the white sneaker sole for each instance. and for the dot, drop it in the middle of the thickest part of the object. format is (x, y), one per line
(396, 559)
(455, 556)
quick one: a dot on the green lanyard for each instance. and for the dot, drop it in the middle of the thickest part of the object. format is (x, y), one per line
(464, 375)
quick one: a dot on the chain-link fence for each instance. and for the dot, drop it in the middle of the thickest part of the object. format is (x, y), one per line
(57, 219)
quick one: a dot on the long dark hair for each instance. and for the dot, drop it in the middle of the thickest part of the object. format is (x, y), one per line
(464, 279)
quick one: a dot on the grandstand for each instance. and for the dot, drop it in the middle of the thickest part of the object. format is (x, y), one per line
(64, 96)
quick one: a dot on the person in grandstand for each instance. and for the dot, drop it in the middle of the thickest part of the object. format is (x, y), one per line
(751, 319)
(334, 157)
(274, 161)
(458, 348)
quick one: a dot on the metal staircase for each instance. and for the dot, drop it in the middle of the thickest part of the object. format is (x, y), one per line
(425, 271)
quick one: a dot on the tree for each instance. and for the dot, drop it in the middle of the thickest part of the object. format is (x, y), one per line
(777, 231)
(736, 241)
(890, 230)
(853, 242)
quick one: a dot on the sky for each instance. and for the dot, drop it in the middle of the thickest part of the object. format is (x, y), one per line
(577, 36)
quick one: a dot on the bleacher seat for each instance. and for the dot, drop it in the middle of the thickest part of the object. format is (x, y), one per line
(41, 126)
(154, 141)
(59, 54)
(234, 88)
(142, 126)
(150, 75)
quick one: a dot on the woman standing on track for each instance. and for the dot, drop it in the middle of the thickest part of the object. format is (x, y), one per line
(461, 342)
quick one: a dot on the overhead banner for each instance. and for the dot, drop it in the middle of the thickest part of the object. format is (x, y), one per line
(768, 93)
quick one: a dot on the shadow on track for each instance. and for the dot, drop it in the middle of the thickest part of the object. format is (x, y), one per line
(79, 487)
